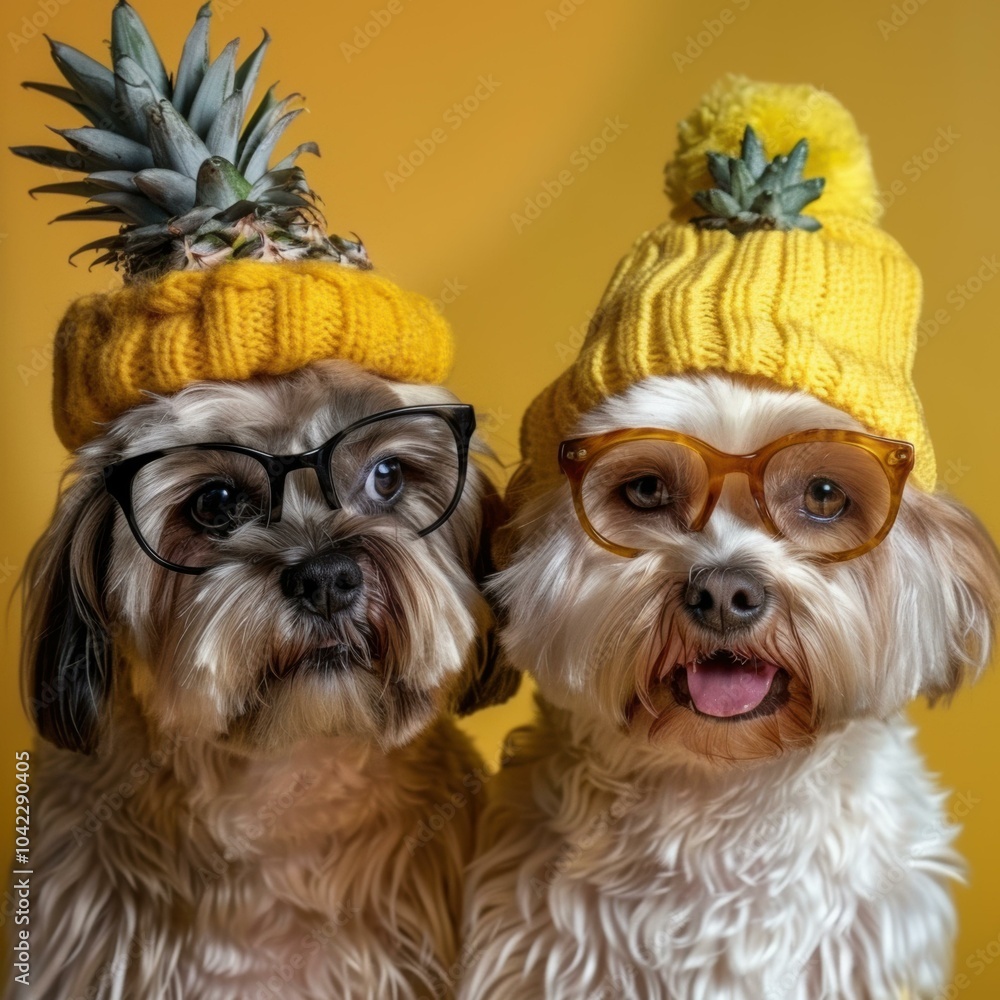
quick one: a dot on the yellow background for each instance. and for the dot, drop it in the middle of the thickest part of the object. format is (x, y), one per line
(913, 72)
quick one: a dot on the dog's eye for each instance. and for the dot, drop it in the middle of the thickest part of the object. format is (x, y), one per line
(647, 492)
(824, 500)
(220, 508)
(385, 481)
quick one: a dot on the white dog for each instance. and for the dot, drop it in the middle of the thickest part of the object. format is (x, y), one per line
(255, 649)
(720, 799)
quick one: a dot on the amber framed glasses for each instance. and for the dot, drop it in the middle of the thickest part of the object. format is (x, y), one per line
(834, 493)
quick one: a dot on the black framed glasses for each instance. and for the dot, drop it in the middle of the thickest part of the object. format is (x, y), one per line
(185, 504)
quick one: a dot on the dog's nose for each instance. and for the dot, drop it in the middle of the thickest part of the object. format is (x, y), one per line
(725, 600)
(323, 585)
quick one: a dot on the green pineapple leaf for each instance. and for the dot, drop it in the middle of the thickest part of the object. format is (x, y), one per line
(94, 83)
(754, 194)
(194, 62)
(246, 76)
(215, 88)
(168, 189)
(177, 163)
(129, 37)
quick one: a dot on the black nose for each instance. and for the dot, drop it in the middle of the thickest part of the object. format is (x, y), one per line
(725, 600)
(323, 585)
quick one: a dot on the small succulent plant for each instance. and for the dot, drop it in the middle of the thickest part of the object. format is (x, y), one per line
(754, 194)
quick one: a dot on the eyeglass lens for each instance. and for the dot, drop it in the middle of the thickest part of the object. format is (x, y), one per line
(827, 497)
(190, 505)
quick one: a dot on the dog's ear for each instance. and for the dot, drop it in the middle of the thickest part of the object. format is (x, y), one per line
(969, 564)
(66, 649)
(492, 680)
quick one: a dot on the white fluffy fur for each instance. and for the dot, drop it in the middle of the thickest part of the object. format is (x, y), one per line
(240, 833)
(783, 858)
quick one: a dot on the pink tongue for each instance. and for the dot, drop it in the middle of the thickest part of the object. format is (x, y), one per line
(724, 687)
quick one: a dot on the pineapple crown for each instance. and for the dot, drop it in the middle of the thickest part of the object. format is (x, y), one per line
(171, 161)
(713, 186)
(753, 193)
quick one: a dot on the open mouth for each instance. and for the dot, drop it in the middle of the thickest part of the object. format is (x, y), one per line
(728, 686)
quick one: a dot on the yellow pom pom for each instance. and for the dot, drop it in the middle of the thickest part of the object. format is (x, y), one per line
(781, 114)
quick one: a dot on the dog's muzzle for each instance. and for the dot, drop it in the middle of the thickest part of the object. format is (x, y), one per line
(725, 683)
(323, 585)
(726, 600)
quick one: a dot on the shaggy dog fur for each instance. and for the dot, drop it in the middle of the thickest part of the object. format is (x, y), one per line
(243, 821)
(637, 848)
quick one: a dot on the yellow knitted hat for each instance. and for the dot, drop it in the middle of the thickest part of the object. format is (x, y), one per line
(230, 271)
(234, 321)
(832, 311)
